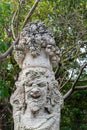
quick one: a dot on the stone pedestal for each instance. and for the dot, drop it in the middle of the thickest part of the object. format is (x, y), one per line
(36, 101)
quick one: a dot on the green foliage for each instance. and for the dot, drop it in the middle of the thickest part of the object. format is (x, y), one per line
(3, 89)
(74, 114)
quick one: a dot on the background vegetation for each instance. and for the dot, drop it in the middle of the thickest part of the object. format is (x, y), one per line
(67, 19)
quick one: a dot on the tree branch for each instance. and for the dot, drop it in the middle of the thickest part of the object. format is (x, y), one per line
(62, 79)
(83, 43)
(85, 80)
(74, 57)
(30, 12)
(12, 22)
(74, 84)
(80, 87)
(3, 56)
(67, 81)
(13, 18)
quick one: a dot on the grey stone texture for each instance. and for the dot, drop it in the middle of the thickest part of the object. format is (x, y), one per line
(36, 101)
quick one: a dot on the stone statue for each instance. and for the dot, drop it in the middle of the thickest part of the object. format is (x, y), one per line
(36, 101)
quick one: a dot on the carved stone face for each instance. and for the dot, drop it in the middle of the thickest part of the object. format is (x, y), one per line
(36, 95)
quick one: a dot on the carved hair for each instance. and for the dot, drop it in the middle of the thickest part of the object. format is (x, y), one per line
(34, 37)
(54, 98)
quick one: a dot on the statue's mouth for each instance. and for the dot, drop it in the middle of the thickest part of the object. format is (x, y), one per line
(35, 96)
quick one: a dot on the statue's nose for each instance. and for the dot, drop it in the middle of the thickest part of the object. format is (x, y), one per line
(35, 90)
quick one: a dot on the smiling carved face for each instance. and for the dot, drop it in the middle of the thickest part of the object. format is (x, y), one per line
(36, 92)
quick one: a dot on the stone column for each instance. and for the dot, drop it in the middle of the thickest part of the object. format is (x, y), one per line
(36, 101)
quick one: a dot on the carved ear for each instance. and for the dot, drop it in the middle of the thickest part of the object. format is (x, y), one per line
(17, 97)
(54, 97)
(14, 100)
(48, 106)
(58, 98)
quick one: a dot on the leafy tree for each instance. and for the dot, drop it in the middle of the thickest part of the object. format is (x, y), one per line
(68, 22)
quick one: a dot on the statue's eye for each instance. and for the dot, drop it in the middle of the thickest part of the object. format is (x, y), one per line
(30, 84)
(41, 84)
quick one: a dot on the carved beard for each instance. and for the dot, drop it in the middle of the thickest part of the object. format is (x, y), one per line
(36, 104)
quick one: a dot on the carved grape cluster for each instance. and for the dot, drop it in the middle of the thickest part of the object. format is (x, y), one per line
(34, 37)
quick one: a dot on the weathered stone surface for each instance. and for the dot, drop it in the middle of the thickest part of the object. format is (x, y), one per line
(36, 101)
(35, 37)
